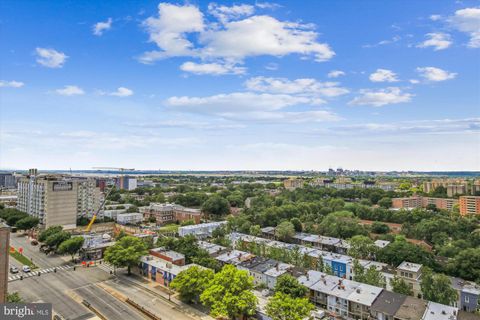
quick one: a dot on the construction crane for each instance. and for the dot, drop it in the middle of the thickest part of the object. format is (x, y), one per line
(113, 168)
(94, 217)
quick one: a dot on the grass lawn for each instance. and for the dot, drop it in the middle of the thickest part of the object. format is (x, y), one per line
(169, 228)
(22, 259)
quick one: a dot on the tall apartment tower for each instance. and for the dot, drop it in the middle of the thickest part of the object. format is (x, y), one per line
(4, 256)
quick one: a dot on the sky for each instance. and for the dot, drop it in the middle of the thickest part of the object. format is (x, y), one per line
(200, 85)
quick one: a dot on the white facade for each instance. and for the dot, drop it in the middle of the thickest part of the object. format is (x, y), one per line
(129, 218)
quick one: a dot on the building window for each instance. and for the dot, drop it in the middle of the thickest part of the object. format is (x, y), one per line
(467, 299)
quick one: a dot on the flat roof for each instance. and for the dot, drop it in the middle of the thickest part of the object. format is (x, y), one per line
(278, 271)
(310, 278)
(437, 311)
(325, 284)
(344, 288)
(381, 243)
(365, 294)
(169, 253)
(411, 308)
(410, 266)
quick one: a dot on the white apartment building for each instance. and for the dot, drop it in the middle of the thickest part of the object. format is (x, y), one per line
(56, 199)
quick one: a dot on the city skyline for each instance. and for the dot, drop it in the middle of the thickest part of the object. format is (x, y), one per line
(241, 86)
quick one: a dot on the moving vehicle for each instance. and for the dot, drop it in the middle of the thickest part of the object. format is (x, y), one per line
(13, 269)
(26, 269)
(34, 242)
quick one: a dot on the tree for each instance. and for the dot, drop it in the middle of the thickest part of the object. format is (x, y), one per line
(255, 230)
(48, 232)
(27, 223)
(437, 288)
(216, 206)
(385, 202)
(401, 286)
(284, 307)
(466, 264)
(71, 246)
(14, 297)
(362, 247)
(54, 240)
(439, 192)
(120, 235)
(132, 209)
(126, 252)
(341, 224)
(289, 285)
(191, 283)
(369, 276)
(400, 250)
(380, 228)
(285, 231)
(297, 224)
(229, 294)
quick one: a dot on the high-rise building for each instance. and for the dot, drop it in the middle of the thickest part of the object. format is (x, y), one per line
(7, 181)
(292, 184)
(469, 205)
(126, 183)
(4, 265)
(57, 199)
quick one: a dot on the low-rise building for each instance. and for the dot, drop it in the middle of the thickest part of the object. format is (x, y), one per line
(165, 213)
(168, 255)
(129, 218)
(159, 270)
(411, 273)
(292, 184)
(202, 230)
(437, 311)
(386, 305)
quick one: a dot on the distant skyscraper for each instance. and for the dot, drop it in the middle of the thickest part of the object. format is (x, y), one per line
(7, 180)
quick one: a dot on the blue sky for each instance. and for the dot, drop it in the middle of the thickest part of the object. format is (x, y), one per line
(373, 85)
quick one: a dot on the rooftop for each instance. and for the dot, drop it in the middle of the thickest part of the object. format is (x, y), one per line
(168, 253)
(409, 266)
(388, 302)
(437, 311)
(365, 294)
(381, 243)
(411, 308)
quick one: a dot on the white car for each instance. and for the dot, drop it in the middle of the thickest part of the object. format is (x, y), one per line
(26, 269)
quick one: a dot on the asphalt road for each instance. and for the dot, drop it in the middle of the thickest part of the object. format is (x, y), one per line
(160, 307)
(18, 240)
(108, 306)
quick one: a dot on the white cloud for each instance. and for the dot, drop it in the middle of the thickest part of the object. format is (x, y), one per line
(435, 74)
(383, 42)
(439, 41)
(383, 75)
(11, 84)
(435, 17)
(335, 74)
(263, 35)
(236, 102)
(248, 106)
(211, 68)
(378, 98)
(414, 81)
(70, 91)
(468, 20)
(232, 41)
(50, 58)
(122, 92)
(168, 31)
(100, 27)
(272, 66)
(297, 86)
(225, 13)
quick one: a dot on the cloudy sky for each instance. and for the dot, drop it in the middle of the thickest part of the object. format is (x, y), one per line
(373, 85)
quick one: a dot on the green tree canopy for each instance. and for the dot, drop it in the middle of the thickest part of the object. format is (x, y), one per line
(385, 202)
(285, 307)
(71, 246)
(289, 285)
(369, 276)
(191, 283)
(126, 252)
(401, 286)
(229, 294)
(341, 224)
(48, 232)
(27, 223)
(362, 247)
(466, 264)
(54, 240)
(437, 288)
(285, 231)
(216, 205)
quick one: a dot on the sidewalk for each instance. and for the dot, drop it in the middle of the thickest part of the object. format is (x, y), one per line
(162, 292)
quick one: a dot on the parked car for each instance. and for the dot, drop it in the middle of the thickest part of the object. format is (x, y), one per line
(26, 269)
(34, 242)
(13, 269)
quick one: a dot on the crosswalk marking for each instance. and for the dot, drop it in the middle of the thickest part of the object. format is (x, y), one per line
(35, 273)
(106, 267)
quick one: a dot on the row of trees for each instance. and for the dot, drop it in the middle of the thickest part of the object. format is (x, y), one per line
(18, 219)
(228, 294)
(61, 241)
